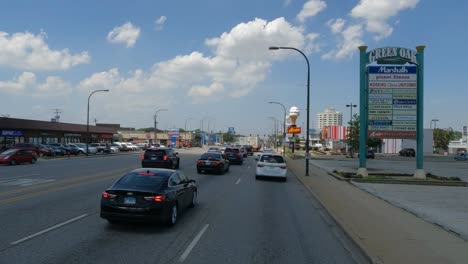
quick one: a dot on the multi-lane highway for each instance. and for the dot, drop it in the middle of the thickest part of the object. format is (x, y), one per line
(49, 213)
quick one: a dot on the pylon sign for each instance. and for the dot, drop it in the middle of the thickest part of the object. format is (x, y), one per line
(294, 130)
(391, 97)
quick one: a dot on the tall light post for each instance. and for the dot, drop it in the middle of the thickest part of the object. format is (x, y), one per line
(351, 105)
(156, 123)
(87, 119)
(185, 130)
(275, 131)
(307, 154)
(435, 122)
(284, 125)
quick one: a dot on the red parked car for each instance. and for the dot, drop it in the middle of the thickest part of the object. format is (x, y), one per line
(18, 156)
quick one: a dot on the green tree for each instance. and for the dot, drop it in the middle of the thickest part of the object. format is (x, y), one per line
(441, 138)
(229, 137)
(352, 138)
(455, 135)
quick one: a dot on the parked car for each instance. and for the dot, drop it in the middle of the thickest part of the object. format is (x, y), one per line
(60, 151)
(213, 162)
(234, 155)
(82, 148)
(214, 149)
(271, 165)
(370, 154)
(44, 150)
(18, 156)
(461, 156)
(101, 147)
(407, 152)
(160, 158)
(243, 151)
(148, 195)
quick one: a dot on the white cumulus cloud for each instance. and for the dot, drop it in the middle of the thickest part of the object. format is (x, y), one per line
(127, 33)
(350, 40)
(27, 51)
(310, 9)
(26, 84)
(336, 25)
(376, 13)
(160, 22)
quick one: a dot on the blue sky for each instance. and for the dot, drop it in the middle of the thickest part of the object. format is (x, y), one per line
(209, 60)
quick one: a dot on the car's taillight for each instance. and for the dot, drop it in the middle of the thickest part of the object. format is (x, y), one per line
(157, 198)
(283, 167)
(199, 161)
(107, 195)
(142, 156)
(217, 162)
(238, 154)
(165, 157)
(260, 165)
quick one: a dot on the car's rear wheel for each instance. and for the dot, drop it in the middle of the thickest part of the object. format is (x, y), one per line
(199, 171)
(173, 215)
(33, 160)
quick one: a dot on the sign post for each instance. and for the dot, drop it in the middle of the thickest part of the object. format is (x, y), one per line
(391, 99)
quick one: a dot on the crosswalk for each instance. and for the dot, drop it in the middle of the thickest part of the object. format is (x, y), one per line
(23, 182)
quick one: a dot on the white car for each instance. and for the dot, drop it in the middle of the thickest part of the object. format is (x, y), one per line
(271, 165)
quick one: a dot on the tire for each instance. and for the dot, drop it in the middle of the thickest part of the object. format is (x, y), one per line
(33, 160)
(199, 171)
(178, 165)
(194, 200)
(172, 217)
(13, 162)
(285, 179)
(40, 154)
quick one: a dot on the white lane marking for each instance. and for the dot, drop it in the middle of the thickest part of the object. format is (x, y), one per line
(48, 229)
(193, 243)
(238, 181)
(23, 182)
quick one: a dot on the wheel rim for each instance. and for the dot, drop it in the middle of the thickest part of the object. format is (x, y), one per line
(174, 214)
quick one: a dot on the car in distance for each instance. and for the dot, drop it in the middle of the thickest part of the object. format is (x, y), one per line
(160, 158)
(461, 156)
(18, 156)
(271, 165)
(148, 195)
(214, 149)
(213, 162)
(234, 155)
(407, 152)
(370, 154)
(250, 150)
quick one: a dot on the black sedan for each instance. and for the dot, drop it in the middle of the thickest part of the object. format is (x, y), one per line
(148, 195)
(214, 162)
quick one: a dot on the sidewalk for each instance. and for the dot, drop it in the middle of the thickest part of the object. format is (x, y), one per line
(386, 233)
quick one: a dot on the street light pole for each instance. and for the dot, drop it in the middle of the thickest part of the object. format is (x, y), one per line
(307, 155)
(156, 124)
(87, 119)
(351, 105)
(275, 131)
(284, 126)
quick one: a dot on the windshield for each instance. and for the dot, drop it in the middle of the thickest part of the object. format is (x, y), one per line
(212, 156)
(8, 152)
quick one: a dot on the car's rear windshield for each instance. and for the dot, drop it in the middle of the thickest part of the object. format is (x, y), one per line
(272, 159)
(144, 179)
(211, 156)
(156, 152)
(232, 150)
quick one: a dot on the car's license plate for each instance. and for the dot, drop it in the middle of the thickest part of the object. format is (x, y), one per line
(208, 162)
(129, 200)
(153, 158)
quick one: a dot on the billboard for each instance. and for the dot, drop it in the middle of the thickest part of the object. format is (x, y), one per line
(334, 132)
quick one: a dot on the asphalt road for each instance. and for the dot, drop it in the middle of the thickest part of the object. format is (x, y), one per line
(49, 213)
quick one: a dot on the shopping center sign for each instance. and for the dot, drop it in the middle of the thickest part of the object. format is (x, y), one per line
(391, 97)
(294, 130)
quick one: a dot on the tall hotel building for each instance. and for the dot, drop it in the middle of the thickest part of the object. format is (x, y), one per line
(329, 117)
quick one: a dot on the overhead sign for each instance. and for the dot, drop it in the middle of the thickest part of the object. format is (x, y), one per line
(294, 130)
(389, 54)
(392, 100)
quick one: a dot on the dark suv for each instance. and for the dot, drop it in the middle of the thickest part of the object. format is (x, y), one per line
(408, 152)
(249, 149)
(160, 158)
(234, 155)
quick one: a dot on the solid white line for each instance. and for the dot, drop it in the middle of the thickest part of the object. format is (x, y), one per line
(48, 229)
(238, 181)
(193, 243)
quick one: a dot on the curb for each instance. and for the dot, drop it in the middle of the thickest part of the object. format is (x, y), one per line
(88, 157)
(354, 241)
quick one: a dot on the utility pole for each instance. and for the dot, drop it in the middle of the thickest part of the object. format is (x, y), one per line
(57, 114)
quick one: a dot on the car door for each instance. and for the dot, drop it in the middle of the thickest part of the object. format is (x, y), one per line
(179, 189)
(188, 190)
(22, 156)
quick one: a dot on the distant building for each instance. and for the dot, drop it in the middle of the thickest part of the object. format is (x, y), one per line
(329, 117)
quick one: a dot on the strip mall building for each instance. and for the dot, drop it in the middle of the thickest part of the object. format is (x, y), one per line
(13, 130)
